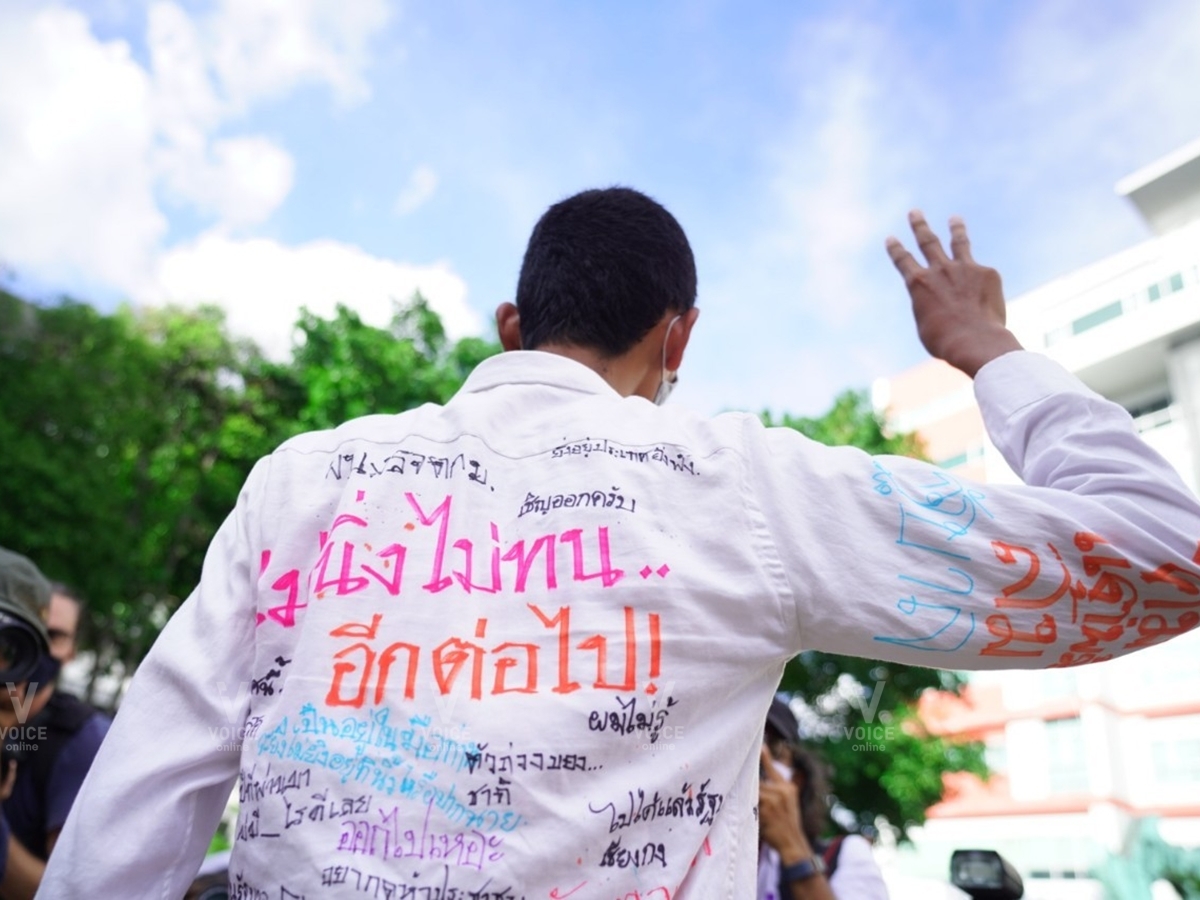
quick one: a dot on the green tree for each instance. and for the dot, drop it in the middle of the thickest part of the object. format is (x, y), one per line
(127, 437)
(861, 713)
(345, 368)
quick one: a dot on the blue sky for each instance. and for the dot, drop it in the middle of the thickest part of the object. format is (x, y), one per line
(264, 154)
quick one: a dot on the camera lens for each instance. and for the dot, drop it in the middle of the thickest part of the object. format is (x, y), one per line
(20, 650)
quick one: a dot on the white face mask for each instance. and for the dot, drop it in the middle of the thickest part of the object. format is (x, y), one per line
(669, 379)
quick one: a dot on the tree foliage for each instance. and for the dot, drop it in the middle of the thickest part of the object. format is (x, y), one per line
(345, 369)
(861, 713)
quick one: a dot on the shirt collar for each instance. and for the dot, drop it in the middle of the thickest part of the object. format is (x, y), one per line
(535, 367)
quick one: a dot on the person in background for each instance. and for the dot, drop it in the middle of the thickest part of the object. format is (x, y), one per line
(794, 863)
(62, 622)
(50, 737)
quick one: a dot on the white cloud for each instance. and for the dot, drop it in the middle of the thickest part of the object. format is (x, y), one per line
(264, 48)
(1028, 146)
(836, 169)
(240, 180)
(87, 136)
(830, 206)
(262, 284)
(808, 284)
(1125, 83)
(76, 188)
(1082, 107)
(209, 70)
(420, 187)
(185, 100)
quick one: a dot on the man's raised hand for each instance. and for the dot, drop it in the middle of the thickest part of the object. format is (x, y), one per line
(958, 304)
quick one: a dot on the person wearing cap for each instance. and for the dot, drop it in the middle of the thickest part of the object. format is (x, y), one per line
(50, 737)
(794, 862)
(524, 642)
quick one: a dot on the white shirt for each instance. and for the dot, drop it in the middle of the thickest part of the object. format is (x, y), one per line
(523, 645)
(855, 874)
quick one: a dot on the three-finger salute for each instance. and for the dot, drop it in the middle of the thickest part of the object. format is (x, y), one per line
(958, 304)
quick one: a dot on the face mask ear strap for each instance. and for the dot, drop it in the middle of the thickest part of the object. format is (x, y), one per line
(669, 379)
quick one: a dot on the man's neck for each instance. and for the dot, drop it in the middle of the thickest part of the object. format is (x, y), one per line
(623, 373)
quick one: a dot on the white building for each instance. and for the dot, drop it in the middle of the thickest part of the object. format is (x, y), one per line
(1082, 754)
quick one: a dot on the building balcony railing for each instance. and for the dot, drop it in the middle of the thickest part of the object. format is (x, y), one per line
(1159, 418)
(1113, 309)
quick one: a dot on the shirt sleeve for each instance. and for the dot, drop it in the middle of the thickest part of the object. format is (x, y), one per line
(857, 877)
(164, 788)
(1096, 555)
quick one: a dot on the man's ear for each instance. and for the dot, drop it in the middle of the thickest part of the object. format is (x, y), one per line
(508, 326)
(678, 338)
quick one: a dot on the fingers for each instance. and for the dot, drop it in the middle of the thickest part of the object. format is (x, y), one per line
(930, 246)
(770, 773)
(960, 244)
(902, 259)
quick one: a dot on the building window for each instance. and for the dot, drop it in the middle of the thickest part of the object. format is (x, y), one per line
(995, 756)
(1147, 407)
(1058, 334)
(1176, 762)
(1150, 414)
(1066, 757)
(1169, 285)
(1096, 317)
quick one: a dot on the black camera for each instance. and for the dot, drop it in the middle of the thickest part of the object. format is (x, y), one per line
(985, 875)
(21, 649)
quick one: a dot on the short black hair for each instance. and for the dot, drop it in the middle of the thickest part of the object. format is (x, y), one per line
(601, 269)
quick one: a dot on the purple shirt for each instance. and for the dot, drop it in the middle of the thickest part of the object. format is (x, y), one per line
(32, 817)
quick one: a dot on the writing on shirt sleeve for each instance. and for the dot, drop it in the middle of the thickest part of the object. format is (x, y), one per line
(1086, 589)
(933, 519)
